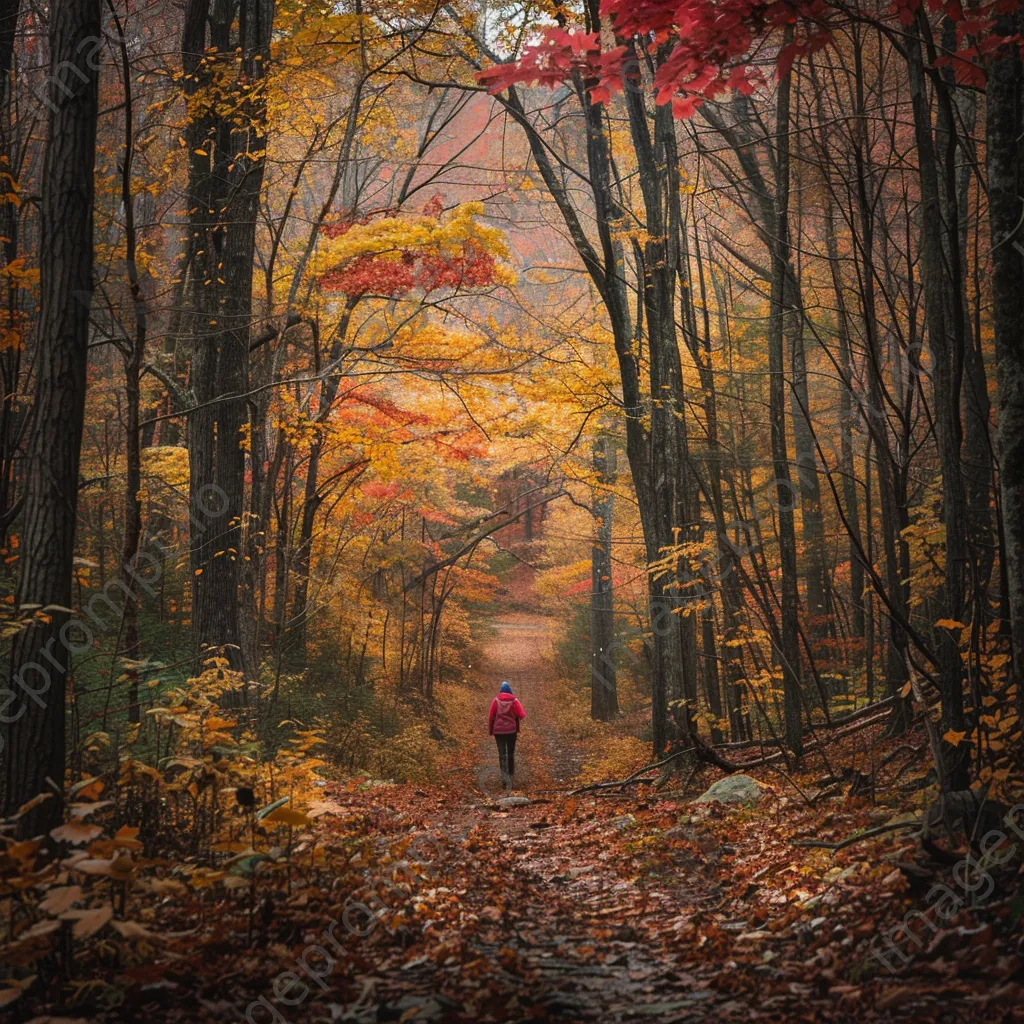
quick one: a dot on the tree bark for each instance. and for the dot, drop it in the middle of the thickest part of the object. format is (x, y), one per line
(846, 420)
(892, 472)
(133, 353)
(939, 256)
(1004, 131)
(604, 700)
(312, 499)
(40, 655)
(657, 456)
(227, 159)
(781, 311)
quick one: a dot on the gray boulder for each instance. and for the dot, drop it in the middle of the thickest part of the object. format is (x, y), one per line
(513, 801)
(733, 789)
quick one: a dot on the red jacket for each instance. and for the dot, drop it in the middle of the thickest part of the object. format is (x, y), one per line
(517, 710)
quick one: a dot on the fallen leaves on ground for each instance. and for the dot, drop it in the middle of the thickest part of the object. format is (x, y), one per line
(439, 903)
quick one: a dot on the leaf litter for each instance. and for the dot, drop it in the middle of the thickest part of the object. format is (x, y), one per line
(612, 906)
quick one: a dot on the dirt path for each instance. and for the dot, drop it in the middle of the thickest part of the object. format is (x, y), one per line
(629, 907)
(520, 652)
(546, 924)
(619, 907)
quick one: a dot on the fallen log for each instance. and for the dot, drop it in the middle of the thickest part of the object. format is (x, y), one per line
(707, 753)
(812, 744)
(836, 723)
(816, 844)
(701, 750)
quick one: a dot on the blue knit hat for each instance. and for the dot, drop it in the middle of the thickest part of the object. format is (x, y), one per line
(505, 688)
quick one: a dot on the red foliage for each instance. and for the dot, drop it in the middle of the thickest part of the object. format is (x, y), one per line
(710, 52)
(712, 45)
(388, 409)
(434, 207)
(474, 268)
(392, 275)
(372, 274)
(380, 491)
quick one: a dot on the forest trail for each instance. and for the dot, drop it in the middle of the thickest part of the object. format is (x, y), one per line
(519, 650)
(633, 906)
(438, 904)
(547, 918)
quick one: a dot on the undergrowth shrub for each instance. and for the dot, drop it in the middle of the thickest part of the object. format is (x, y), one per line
(385, 749)
(572, 715)
(615, 758)
(570, 646)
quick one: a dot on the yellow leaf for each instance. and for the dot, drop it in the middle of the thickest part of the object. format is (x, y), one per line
(24, 851)
(230, 846)
(205, 877)
(36, 800)
(289, 816)
(126, 838)
(954, 738)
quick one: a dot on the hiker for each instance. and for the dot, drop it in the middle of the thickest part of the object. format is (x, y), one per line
(503, 725)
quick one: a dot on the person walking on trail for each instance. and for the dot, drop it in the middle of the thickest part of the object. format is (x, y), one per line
(503, 725)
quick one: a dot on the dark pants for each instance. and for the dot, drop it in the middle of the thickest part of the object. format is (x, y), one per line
(506, 755)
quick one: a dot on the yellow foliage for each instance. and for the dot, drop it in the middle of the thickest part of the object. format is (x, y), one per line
(616, 758)
(391, 237)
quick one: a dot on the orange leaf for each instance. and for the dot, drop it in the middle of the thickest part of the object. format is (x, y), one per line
(126, 838)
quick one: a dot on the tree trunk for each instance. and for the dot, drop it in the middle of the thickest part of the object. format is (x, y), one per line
(978, 447)
(846, 420)
(604, 700)
(227, 157)
(674, 519)
(657, 464)
(728, 571)
(781, 311)
(811, 518)
(11, 416)
(35, 747)
(891, 472)
(943, 289)
(1005, 160)
(9, 11)
(133, 352)
(132, 521)
(299, 624)
(311, 497)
